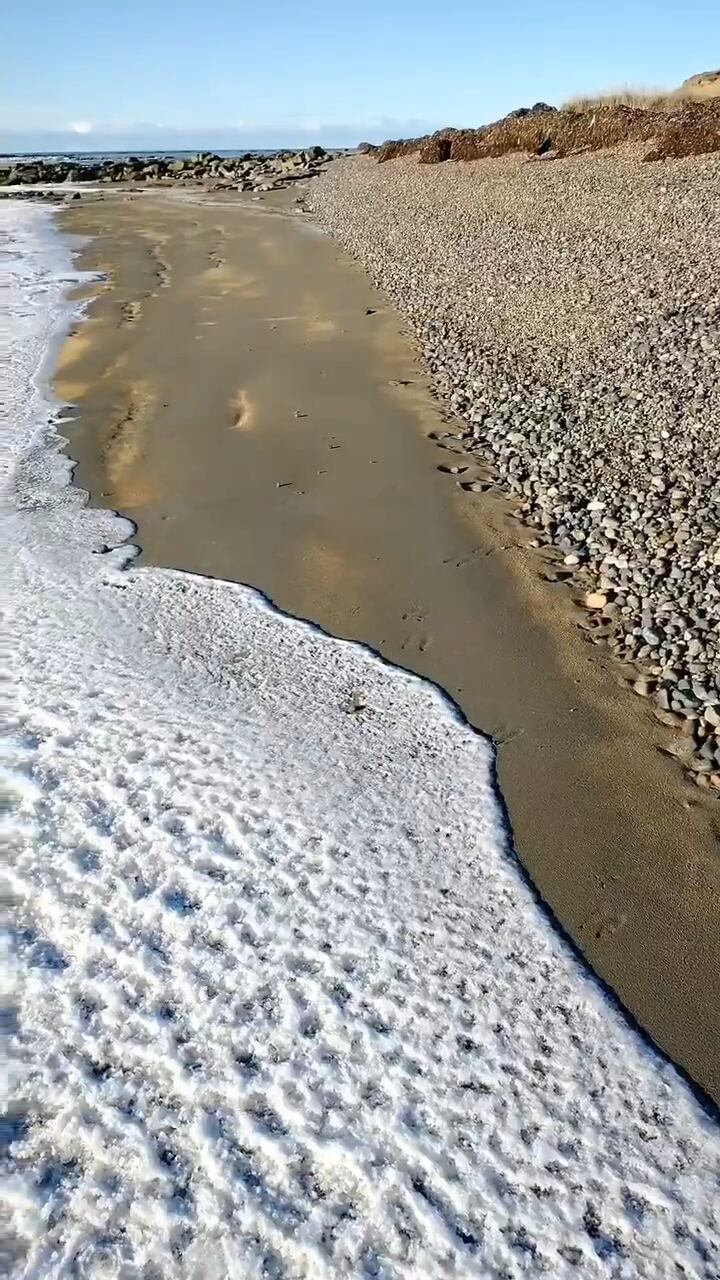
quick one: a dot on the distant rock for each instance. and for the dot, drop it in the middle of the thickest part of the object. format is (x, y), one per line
(213, 172)
(538, 109)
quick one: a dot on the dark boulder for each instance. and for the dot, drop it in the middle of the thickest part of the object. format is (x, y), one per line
(436, 149)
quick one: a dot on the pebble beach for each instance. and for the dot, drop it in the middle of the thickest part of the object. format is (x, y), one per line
(568, 313)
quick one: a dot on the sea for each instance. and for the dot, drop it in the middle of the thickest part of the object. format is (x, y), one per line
(95, 157)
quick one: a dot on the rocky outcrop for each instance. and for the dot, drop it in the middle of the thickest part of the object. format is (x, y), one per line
(688, 128)
(248, 172)
(702, 86)
(435, 150)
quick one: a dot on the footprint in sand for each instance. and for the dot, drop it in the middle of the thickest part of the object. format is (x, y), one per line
(124, 445)
(224, 279)
(603, 924)
(130, 313)
(161, 270)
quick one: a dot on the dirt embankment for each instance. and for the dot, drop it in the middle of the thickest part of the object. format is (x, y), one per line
(692, 128)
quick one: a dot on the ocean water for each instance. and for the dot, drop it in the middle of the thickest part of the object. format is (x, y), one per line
(277, 1000)
(94, 157)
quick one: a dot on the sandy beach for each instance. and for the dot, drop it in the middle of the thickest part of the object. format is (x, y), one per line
(256, 408)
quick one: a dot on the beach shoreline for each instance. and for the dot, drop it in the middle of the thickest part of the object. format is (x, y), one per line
(234, 360)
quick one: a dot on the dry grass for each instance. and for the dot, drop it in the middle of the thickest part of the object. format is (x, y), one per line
(630, 96)
(690, 128)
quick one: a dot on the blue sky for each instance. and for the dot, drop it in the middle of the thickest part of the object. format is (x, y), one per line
(93, 74)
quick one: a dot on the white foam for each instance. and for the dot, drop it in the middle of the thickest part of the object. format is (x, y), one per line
(279, 1001)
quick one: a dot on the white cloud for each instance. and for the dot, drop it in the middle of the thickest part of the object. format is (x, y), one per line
(81, 126)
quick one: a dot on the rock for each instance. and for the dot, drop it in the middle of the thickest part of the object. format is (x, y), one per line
(701, 87)
(595, 600)
(435, 150)
(538, 109)
(203, 168)
(681, 747)
(644, 687)
(669, 718)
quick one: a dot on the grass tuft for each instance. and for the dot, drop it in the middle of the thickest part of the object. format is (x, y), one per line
(630, 96)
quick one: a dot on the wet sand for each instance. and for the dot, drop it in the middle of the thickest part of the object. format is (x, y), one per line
(256, 408)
